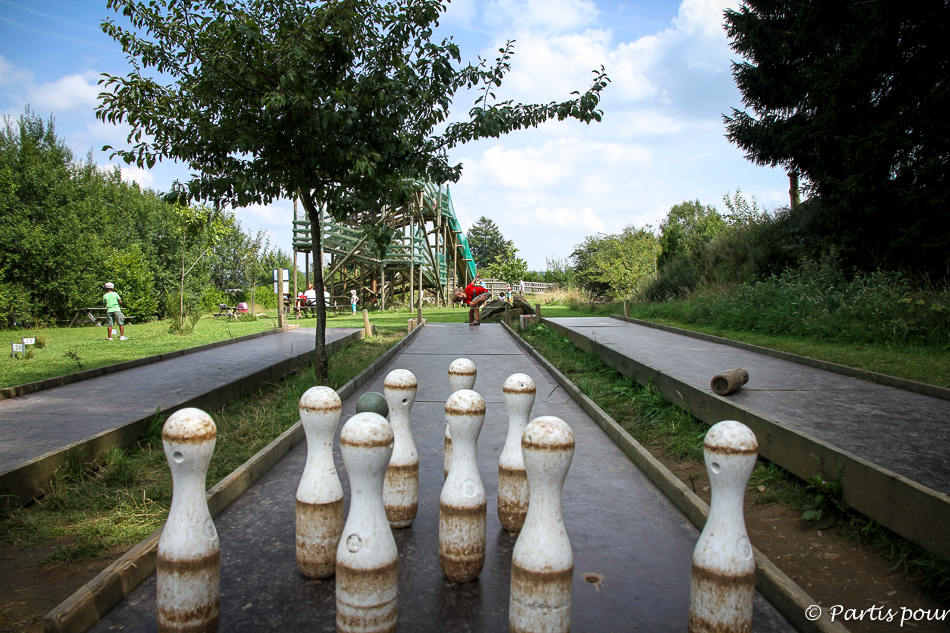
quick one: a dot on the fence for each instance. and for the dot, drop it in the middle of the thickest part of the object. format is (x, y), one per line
(496, 286)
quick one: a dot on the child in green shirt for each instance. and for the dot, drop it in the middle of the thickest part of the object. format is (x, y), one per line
(113, 312)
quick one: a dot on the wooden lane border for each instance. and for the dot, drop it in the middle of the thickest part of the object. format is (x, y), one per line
(916, 512)
(852, 372)
(82, 610)
(68, 379)
(787, 597)
(30, 480)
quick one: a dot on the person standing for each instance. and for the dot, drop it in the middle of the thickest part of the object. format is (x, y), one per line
(521, 287)
(113, 311)
(508, 293)
(353, 300)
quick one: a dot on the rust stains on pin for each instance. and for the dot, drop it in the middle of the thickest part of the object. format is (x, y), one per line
(699, 624)
(519, 389)
(189, 565)
(189, 425)
(474, 408)
(521, 575)
(527, 442)
(731, 450)
(327, 406)
(403, 469)
(201, 619)
(518, 474)
(451, 511)
(701, 574)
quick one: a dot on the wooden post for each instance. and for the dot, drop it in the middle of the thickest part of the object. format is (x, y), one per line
(419, 316)
(537, 311)
(508, 314)
(366, 326)
(382, 287)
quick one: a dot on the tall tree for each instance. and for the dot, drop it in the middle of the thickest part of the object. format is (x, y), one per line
(853, 96)
(486, 242)
(614, 265)
(334, 102)
(687, 228)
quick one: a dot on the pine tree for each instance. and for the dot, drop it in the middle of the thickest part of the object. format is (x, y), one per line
(853, 96)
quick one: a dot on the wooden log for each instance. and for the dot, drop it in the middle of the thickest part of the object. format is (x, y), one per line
(729, 381)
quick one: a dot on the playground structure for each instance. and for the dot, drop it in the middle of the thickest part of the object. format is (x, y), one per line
(427, 258)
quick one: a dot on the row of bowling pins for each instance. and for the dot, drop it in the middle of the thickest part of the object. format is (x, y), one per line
(189, 553)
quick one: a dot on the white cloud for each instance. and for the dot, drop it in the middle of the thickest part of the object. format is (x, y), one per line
(546, 219)
(72, 92)
(131, 173)
(553, 164)
(546, 15)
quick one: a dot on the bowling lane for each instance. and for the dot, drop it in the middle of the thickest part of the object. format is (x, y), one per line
(621, 527)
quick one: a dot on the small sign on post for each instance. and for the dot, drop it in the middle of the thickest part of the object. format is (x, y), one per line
(285, 273)
(29, 341)
(17, 347)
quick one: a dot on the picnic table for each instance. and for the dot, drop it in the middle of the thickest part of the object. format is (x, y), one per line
(94, 318)
(92, 315)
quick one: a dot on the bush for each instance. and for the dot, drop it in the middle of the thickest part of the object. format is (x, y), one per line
(677, 278)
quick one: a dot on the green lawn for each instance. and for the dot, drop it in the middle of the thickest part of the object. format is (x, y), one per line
(90, 346)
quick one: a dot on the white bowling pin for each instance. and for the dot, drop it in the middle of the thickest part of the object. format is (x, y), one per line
(542, 563)
(366, 559)
(319, 494)
(401, 490)
(463, 503)
(519, 393)
(462, 375)
(723, 581)
(189, 554)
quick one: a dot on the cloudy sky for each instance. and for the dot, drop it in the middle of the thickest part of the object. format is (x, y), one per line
(661, 140)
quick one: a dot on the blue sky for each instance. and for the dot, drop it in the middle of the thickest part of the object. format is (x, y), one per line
(660, 142)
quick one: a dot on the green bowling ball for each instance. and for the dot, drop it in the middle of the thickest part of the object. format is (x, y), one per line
(372, 402)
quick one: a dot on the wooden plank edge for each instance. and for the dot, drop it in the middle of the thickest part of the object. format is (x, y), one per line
(782, 592)
(83, 610)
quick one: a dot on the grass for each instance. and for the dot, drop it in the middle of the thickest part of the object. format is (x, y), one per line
(68, 350)
(669, 430)
(126, 495)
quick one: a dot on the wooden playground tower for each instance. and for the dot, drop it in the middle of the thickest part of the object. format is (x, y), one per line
(427, 258)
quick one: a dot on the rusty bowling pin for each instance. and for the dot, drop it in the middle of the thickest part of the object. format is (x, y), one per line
(463, 503)
(723, 581)
(401, 490)
(519, 393)
(542, 563)
(366, 559)
(319, 494)
(462, 375)
(189, 554)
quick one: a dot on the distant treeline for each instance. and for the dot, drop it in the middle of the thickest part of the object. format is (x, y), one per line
(68, 226)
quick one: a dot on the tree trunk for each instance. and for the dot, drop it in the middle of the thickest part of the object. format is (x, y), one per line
(320, 365)
(793, 194)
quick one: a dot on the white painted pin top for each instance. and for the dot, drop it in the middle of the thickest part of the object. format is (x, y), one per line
(319, 516)
(519, 392)
(462, 375)
(366, 559)
(462, 504)
(188, 576)
(401, 490)
(723, 578)
(542, 563)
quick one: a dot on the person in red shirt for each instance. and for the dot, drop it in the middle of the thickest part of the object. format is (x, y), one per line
(473, 296)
